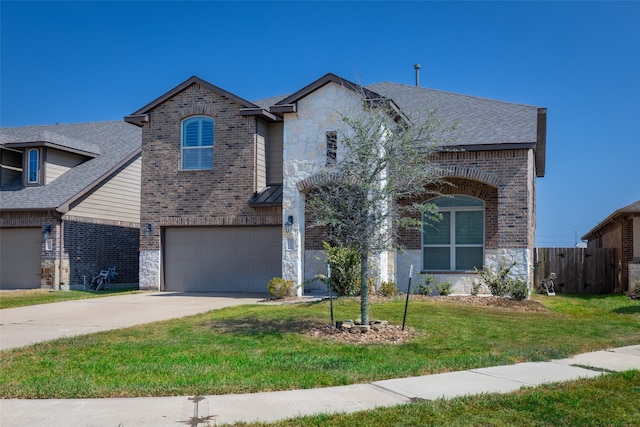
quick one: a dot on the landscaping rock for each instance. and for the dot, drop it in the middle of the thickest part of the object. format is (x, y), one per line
(362, 329)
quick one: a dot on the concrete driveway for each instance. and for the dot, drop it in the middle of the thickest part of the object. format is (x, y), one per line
(27, 325)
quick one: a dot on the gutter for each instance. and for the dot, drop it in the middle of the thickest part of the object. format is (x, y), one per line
(493, 146)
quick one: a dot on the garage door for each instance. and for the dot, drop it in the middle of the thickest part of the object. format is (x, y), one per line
(20, 252)
(216, 259)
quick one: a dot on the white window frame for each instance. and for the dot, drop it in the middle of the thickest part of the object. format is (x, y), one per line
(201, 148)
(30, 166)
(452, 230)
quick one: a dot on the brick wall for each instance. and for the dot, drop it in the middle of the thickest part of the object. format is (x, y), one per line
(92, 245)
(219, 196)
(412, 239)
(499, 178)
(610, 236)
(509, 172)
(314, 236)
(627, 250)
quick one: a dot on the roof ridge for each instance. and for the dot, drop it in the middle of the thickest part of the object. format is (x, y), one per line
(407, 86)
(62, 124)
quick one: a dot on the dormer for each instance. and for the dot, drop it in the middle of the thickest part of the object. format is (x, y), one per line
(42, 157)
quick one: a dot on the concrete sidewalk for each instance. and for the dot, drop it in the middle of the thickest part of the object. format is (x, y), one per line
(273, 406)
(27, 325)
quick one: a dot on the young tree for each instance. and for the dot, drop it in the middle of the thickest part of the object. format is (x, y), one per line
(375, 185)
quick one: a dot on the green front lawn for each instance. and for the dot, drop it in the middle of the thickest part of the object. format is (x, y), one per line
(21, 298)
(264, 347)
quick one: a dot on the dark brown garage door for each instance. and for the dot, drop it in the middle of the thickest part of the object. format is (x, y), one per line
(20, 252)
(222, 259)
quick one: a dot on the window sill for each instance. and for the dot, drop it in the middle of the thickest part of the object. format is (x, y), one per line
(448, 272)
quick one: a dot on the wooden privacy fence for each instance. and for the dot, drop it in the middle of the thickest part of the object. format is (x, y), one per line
(578, 270)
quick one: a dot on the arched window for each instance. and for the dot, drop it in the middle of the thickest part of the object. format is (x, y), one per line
(33, 166)
(455, 243)
(197, 143)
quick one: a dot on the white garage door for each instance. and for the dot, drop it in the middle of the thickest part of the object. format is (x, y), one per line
(20, 252)
(217, 259)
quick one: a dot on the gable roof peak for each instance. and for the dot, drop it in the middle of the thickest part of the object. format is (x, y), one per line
(135, 117)
(324, 80)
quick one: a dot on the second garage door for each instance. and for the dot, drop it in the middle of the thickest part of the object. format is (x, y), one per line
(217, 259)
(20, 252)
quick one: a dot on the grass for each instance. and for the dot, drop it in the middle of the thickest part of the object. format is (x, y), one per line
(609, 400)
(22, 298)
(263, 347)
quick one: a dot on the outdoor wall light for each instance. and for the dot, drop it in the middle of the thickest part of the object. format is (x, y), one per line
(288, 226)
(46, 231)
(147, 230)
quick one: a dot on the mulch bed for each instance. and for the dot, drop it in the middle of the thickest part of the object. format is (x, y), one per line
(393, 334)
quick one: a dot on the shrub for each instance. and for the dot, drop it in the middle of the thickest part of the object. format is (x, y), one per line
(519, 289)
(501, 283)
(443, 288)
(279, 288)
(388, 289)
(425, 288)
(497, 282)
(345, 269)
(475, 287)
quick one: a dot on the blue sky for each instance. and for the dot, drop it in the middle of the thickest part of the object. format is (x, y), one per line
(67, 62)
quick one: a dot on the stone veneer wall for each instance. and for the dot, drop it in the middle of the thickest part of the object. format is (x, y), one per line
(304, 152)
(150, 266)
(462, 281)
(634, 277)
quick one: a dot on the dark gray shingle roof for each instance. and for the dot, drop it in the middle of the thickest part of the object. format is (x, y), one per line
(268, 102)
(633, 207)
(27, 136)
(480, 121)
(111, 142)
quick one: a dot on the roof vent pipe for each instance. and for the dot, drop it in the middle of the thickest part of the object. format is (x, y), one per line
(417, 68)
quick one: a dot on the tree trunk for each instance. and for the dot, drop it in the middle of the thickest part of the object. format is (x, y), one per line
(364, 288)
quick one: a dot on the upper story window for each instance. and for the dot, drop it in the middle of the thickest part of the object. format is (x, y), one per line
(455, 243)
(332, 148)
(33, 166)
(197, 143)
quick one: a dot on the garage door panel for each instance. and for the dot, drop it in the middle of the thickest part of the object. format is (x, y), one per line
(216, 259)
(20, 253)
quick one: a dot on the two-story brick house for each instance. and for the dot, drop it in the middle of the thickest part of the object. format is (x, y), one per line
(69, 203)
(225, 181)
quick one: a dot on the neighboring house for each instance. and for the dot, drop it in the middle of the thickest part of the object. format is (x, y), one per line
(225, 182)
(69, 203)
(621, 231)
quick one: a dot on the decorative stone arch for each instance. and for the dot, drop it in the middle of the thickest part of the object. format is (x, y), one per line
(196, 110)
(318, 180)
(473, 174)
